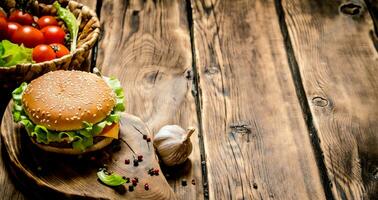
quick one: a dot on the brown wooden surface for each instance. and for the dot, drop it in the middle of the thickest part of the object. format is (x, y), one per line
(146, 45)
(339, 67)
(75, 177)
(291, 71)
(245, 79)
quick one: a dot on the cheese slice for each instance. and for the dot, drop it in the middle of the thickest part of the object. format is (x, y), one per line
(112, 131)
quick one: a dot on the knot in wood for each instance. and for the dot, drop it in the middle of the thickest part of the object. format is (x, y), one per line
(353, 8)
(211, 70)
(320, 101)
(240, 128)
(189, 74)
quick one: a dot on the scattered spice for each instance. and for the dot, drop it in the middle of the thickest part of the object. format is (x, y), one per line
(184, 182)
(136, 162)
(146, 186)
(127, 179)
(134, 181)
(148, 139)
(144, 137)
(153, 172)
(193, 182)
(254, 185)
(127, 161)
(131, 188)
(140, 158)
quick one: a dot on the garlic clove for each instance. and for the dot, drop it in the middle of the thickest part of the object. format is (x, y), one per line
(173, 144)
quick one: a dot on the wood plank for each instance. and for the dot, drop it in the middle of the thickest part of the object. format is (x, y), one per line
(256, 141)
(339, 66)
(8, 189)
(146, 44)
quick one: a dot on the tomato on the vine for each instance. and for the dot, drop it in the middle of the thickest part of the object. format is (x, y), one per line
(53, 34)
(47, 21)
(28, 36)
(12, 27)
(43, 53)
(60, 50)
(21, 17)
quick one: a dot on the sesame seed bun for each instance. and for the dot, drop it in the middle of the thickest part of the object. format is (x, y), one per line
(62, 100)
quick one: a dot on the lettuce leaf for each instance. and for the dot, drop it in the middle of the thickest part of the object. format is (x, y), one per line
(71, 22)
(80, 139)
(12, 54)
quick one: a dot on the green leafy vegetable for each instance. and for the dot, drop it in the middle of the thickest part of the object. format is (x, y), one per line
(12, 54)
(80, 139)
(110, 179)
(71, 22)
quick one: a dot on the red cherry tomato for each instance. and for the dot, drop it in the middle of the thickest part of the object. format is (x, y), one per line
(28, 36)
(12, 27)
(43, 53)
(47, 21)
(3, 28)
(3, 24)
(21, 17)
(53, 34)
(60, 50)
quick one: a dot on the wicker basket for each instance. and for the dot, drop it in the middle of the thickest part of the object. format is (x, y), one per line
(88, 34)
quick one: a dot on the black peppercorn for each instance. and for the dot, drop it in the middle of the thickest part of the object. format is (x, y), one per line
(184, 182)
(136, 162)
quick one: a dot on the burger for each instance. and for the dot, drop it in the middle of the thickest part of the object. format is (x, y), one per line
(69, 112)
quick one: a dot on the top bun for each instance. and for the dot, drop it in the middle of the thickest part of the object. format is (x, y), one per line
(63, 100)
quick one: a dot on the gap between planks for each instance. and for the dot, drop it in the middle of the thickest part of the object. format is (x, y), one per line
(196, 92)
(302, 98)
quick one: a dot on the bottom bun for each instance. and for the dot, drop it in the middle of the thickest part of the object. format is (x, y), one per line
(70, 151)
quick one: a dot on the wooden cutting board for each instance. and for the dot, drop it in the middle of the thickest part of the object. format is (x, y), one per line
(72, 177)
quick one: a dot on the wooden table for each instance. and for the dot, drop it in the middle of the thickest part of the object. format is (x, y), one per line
(284, 93)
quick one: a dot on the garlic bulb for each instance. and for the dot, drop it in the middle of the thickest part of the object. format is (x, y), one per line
(173, 144)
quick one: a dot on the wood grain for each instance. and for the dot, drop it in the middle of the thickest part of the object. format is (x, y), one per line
(256, 141)
(8, 189)
(146, 45)
(69, 177)
(339, 66)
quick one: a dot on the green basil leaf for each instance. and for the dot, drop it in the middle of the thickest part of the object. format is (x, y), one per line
(110, 179)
